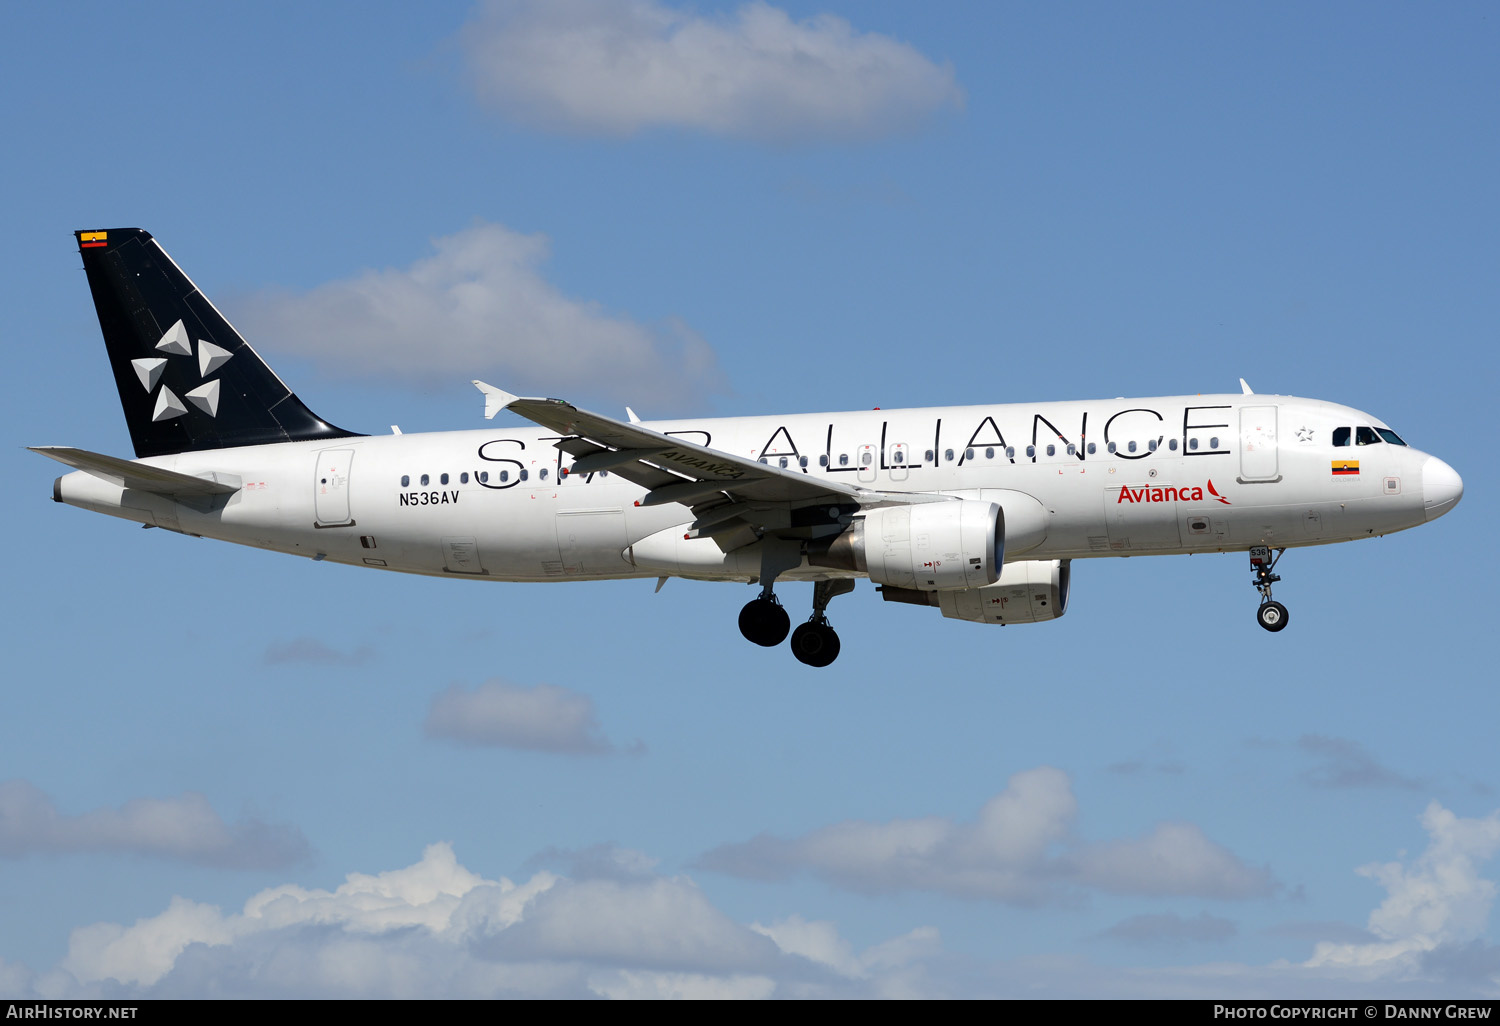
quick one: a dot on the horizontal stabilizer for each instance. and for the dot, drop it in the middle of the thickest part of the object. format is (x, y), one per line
(129, 474)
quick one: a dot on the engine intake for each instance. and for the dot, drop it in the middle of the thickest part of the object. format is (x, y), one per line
(930, 546)
(1030, 591)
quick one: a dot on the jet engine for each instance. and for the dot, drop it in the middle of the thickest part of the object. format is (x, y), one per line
(1029, 591)
(922, 547)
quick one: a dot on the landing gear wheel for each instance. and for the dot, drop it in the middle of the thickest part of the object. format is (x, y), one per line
(764, 622)
(1272, 616)
(815, 644)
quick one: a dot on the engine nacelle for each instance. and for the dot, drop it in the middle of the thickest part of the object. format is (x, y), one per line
(1029, 591)
(929, 546)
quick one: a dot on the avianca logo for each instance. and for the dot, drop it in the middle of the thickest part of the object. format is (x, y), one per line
(1148, 494)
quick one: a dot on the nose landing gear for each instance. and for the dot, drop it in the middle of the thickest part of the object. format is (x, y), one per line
(1271, 615)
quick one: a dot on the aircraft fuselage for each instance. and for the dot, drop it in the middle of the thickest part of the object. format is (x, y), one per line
(1077, 480)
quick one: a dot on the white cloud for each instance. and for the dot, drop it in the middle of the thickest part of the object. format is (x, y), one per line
(1018, 850)
(480, 308)
(616, 68)
(545, 718)
(437, 929)
(1437, 903)
(185, 827)
(893, 969)
(1174, 858)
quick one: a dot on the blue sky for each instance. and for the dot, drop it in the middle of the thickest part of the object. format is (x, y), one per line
(226, 772)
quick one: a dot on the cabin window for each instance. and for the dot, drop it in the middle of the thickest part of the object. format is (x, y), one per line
(1192, 443)
(443, 479)
(1010, 452)
(783, 463)
(1051, 450)
(1093, 448)
(405, 480)
(948, 455)
(989, 454)
(603, 473)
(802, 461)
(543, 474)
(968, 454)
(1213, 443)
(463, 478)
(899, 456)
(843, 459)
(1071, 450)
(1031, 452)
(1111, 447)
(1341, 436)
(1151, 445)
(1365, 436)
(562, 472)
(523, 475)
(823, 460)
(765, 461)
(1130, 446)
(927, 456)
(484, 476)
(1172, 444)
(866, 459)
(1390, 436)
(424, 480)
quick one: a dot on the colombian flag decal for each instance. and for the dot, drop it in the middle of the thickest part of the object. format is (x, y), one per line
(92, 240)
(1346, 468)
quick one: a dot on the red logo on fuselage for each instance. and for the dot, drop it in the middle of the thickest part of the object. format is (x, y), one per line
(1148, 493)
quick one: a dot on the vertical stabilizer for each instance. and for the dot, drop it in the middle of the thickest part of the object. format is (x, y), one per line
(186, 378)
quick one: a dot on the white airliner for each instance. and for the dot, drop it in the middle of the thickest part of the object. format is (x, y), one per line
(976, 510)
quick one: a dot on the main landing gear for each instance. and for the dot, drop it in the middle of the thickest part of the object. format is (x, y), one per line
(1271, 615)
(814, 643)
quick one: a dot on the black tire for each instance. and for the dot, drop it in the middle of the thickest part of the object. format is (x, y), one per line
(1272, 616)
(764, 622)
(815, 644)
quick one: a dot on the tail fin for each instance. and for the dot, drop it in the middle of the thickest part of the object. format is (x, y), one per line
(187, 380)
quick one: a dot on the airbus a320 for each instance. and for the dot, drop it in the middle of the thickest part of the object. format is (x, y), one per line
(977, 511)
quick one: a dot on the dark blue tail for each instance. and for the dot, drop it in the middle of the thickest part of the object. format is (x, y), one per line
(187, 380)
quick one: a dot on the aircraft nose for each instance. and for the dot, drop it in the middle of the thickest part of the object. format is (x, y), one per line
(1441, 487)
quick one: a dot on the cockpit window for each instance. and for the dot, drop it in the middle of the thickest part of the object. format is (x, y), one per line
(1341, 436)
(1366, 436)
(1390, 436)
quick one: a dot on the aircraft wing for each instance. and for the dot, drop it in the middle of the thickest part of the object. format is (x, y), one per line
(722, 488)
(672, 469)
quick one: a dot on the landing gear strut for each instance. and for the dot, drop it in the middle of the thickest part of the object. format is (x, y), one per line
(1271, 615)
(763, 621)
(814, 642)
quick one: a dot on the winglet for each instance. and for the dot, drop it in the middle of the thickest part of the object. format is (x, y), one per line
(1245, 387)
(631, 414)
(495, 399)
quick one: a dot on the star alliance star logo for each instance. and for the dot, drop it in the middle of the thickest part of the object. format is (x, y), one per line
(175, 342)
(1304, 434)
